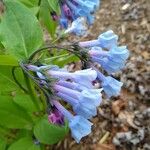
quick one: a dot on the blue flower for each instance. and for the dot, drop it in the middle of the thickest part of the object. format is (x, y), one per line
(105, 40)
(79, 126)
(71, 10)
(113, 60)
(84, 77)
(77, 27)
(111, 86)
(84, 103)
(108, 40)
(118, 54)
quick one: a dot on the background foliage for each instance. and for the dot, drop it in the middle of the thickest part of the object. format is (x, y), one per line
(23, 123)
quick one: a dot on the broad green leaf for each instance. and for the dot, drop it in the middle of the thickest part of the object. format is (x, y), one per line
(7, 83)
(20, 31)
(25, 101)
(35, 10)
(7, 60)
(46, 18)
(2, 145)
(12, 115)
(26, 2)
(48, 133)
(25, 143)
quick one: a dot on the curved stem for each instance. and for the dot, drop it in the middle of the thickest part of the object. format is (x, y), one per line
(17, 82)
(32, 91)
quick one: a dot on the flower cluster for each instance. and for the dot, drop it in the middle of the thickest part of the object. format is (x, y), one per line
(73, 9)
(112, 59)
(77, 88)
(78, 91)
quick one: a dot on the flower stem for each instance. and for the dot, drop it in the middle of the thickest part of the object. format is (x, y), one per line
(32, 92)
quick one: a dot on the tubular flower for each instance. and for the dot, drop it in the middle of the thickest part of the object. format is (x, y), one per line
(110, 85)
(78, 125)
(84, 77)
(105, 40)
(84, 103)
(114, 58)
(73, 9)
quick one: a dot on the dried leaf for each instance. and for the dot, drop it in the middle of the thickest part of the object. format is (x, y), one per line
(117, 106)
(104, 147)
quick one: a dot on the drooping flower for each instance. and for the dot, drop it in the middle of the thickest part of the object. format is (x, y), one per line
(77, 27)
(110, 85)
(113, 60)
(84, 77)
(105, 40)
(84, 103)
(79, 126)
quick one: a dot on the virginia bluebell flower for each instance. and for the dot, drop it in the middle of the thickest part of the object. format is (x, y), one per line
(111, 86)
(79, 126)
(113, 60)
(84, 103)
(77, 27)
(73, 9)
(84, 77)
(105, 40)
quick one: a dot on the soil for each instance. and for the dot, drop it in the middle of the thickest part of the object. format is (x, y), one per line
(122, 123)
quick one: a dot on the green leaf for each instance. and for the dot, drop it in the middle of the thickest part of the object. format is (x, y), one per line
(7, 83)
(35, 10)
(7, 60)
(2, 145)
(46, 18)
(25, 101)
(48, 133)
(54, 5)
(12, 115)
(20, 31)
(25, 143)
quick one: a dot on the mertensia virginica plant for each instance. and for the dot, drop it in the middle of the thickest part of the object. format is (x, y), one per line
(39, 98)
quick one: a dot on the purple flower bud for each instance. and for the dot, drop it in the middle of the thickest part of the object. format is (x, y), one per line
(56, 117)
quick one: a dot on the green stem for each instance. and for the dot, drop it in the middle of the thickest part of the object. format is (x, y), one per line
(32, 92)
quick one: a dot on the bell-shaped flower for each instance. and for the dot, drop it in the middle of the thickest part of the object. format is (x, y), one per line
(113, 60)
(84, 77)
(105, 40)
(79, 126)
(77, 27)
(84, 103)
(108, 40)
(118, 54)
(111, 86)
